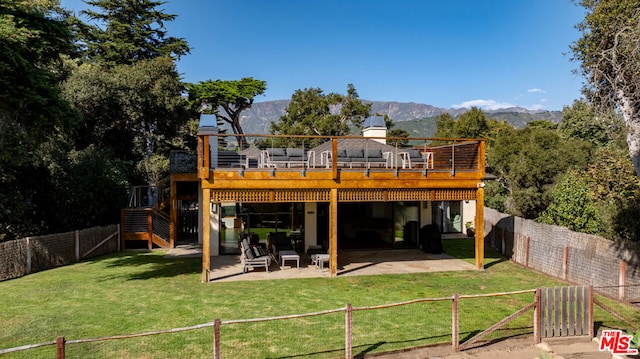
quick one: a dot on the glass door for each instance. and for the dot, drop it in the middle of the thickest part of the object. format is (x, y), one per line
(447, 215)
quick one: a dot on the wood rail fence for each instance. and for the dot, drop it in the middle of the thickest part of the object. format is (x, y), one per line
(560, 311)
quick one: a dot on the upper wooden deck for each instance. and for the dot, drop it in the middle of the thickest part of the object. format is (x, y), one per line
(347, 162)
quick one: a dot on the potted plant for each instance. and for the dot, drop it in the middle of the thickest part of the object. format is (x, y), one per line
(471, 231)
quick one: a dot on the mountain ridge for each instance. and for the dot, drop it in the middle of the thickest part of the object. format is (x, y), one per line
(257, 119)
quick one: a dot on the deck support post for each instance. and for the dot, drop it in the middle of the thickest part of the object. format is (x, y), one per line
(333, 233)
(479, 238)
(205, 219)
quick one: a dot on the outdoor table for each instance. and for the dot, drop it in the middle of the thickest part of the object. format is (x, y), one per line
(288, 255)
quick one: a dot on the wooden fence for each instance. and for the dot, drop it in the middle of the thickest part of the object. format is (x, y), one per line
(539, 304)
(32, 254)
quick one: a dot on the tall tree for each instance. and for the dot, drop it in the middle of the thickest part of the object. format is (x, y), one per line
(312, 112)
(352, 109)
(527, 162)
(445, 124)
(232, 96)
(133, 109)
(127, 31)
(34, 36)
(471, 124)
(609, 56)
(581, 121)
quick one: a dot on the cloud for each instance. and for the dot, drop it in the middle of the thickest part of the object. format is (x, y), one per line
(483, 104)
(534, 90)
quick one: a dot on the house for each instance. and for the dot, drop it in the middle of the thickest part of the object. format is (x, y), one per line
(365, 191)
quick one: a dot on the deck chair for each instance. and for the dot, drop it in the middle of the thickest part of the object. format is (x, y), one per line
(253, 256)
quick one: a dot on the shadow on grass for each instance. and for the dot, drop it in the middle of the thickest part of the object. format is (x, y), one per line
(365, 349)
(360, 351)
(464, 248)
(142, 265)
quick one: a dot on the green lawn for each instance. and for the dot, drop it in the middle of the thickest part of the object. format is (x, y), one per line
(134, 292)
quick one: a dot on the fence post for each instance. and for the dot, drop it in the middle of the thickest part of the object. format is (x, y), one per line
(527, 243)
(60, 347)
(28, 255)
(216, 339)
(77, 240)
(347, 331)
(537, 330)
(454, 323)
(565, 262)
(622, 279)
(590, 311)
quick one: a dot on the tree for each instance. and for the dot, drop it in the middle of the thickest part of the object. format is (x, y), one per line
(614, 184)
(401, 135)
(232, 96)
(609, 56)
(471, 124)
(34, 37)
(527, 162)
(352, 110)
(573, 206)
(127, 31)
(580, 120)
(310, 113)
(445, 124)
(133, 109)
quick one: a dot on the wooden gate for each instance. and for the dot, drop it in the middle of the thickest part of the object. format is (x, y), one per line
(566, 312)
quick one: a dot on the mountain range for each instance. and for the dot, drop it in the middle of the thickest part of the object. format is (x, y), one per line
(416, 118)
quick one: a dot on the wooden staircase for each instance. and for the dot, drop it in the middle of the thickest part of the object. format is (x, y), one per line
(142, 222)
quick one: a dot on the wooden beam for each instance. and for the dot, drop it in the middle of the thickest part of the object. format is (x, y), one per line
(261, 180)
(479, 239)
(205, 218)
(333, 233)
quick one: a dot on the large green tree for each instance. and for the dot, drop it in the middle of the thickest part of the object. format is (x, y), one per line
(527, 162)
(231, 96)
(128, 89)
(573, 206)
(133, 109)
(34, 36)
(127, 31)
(581, 121)
(312, 112)
(609, 56)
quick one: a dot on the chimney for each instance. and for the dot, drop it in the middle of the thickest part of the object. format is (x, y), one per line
(374, 127)
(209, 126)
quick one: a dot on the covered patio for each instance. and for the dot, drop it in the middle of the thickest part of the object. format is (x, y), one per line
(350, 263)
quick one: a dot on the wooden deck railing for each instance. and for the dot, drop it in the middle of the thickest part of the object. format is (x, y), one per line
(345, 152)
(145, 224)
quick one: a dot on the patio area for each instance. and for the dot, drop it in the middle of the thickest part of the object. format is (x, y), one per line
(350, 263)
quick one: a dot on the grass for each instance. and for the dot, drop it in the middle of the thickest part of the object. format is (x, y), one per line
(135, 292)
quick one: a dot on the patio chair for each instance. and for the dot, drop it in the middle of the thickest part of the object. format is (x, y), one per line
(253, 256)
(415, 158)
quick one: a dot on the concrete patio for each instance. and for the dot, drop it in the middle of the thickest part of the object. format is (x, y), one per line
(350, 263)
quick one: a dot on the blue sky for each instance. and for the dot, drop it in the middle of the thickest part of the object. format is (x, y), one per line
(447, 53)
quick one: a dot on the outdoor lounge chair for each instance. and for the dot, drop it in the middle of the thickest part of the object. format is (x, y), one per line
(253, 256)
